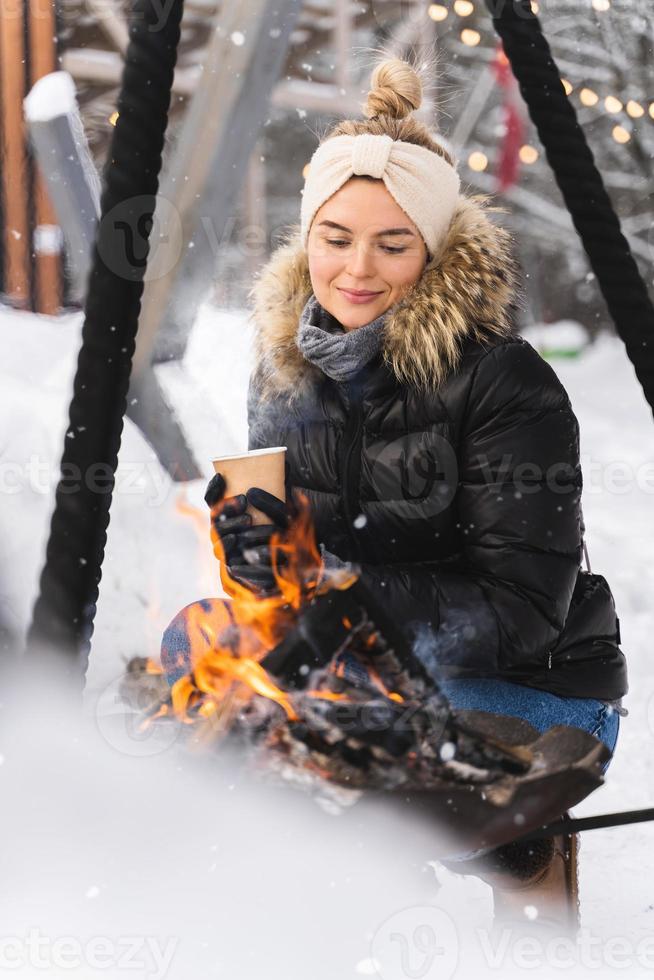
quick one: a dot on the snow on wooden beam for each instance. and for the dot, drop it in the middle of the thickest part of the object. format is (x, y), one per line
(59, 142)
(94, 65)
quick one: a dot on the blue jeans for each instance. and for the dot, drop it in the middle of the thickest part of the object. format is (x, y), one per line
(540, 708)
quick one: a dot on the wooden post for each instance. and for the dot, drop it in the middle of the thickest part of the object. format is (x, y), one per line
(255, 209)
(60, 148)
(475, 104)
(206, 170)
(14, 162)
(48, 239)
(342, 41)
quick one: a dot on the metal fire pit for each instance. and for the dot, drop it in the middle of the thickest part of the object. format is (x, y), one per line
(366, 717)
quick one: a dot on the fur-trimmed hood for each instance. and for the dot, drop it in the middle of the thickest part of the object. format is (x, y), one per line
(465, 291)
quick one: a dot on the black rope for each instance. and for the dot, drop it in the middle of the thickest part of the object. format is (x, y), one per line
(573, 825)
(598, 226)
(581, 184)
(65, 608)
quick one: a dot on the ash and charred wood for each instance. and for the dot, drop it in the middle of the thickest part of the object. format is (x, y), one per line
(341, 619)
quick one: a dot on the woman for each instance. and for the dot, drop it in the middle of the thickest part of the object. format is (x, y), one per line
(438, 451)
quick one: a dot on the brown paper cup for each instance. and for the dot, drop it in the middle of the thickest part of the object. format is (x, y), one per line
(262, 468)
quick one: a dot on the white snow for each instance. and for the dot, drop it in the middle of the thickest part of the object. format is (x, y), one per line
(564, 336)
(51, 96)
(139, 829)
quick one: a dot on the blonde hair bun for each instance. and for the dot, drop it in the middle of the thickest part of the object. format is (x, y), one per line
(395, 90)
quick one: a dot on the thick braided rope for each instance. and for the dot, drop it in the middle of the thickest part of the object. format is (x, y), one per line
(580, 182)
(69, 586)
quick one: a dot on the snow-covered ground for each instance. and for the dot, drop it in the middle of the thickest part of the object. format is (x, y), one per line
(148, 824)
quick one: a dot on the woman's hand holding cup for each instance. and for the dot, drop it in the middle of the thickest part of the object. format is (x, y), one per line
(246, 546)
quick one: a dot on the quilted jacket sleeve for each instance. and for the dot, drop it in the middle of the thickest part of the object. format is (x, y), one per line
(504, 603)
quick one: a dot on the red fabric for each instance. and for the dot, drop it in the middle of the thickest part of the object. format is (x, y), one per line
(508, 161)
(508, 167)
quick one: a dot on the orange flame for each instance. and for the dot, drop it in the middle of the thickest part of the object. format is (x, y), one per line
(199, 517)
(228, 639)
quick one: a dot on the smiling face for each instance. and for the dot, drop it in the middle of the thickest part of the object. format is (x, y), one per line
(361, 240)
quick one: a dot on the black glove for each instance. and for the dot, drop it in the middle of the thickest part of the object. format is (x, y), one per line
(246, 548)
(255, 541)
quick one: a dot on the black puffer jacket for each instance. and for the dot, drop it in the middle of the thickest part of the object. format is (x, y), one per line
(448, 469)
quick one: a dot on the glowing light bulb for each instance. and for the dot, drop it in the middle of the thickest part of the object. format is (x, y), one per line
(621, 135)
(567, 86)
(635, 109)
(437, 11)
(528, 154)
(463, 8)
(601, 5)
(113, 118)
(611, 104)
(470, 37)
(588, 97)
(478, 161)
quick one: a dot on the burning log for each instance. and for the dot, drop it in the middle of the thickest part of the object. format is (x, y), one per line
(323, 690)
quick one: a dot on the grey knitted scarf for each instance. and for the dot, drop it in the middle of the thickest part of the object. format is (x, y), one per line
(339, 353)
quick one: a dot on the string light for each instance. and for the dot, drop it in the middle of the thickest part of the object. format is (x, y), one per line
(588, 97)
(635, 109)
(437, 11)
(601, 5)
(470, 37)
(621, 135)
(535, 7)
(528, 153)
(463, 8)
(613, 105)
(113, 118)
(477, 161)
(651, 109)
(305, 170)
(567, 86)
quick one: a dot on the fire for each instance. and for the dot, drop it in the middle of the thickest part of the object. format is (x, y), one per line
(228, 639)
(205, 567)
(182, 506)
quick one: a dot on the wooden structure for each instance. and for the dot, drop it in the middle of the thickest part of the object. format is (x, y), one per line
(32, 268)
(13, 159)
(59, 144)
(211, 160)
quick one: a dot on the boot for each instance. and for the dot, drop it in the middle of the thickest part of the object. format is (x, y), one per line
(536, 884)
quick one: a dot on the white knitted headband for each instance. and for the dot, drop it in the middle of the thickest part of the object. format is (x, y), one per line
(424, 185)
